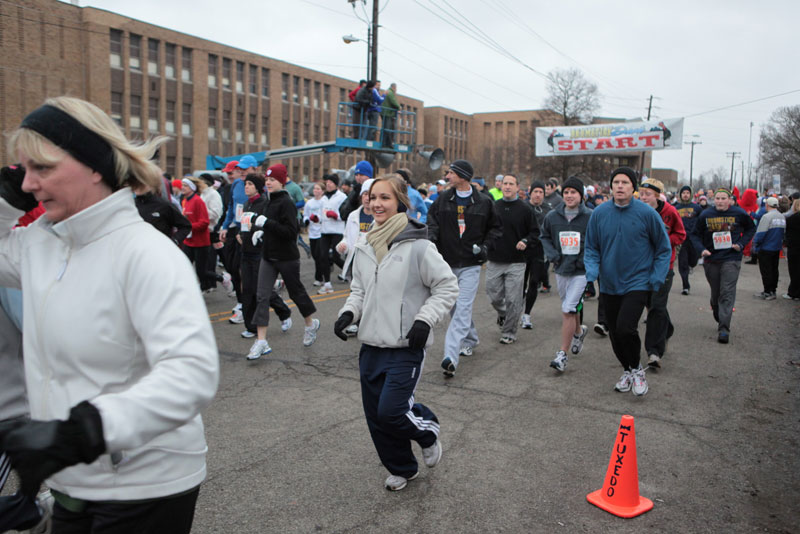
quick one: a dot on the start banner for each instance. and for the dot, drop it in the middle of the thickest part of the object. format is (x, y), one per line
(609, 138)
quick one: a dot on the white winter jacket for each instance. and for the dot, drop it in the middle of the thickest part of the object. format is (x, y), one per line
(413, 282)
(213, 204)
(113, 315)
(332, 203)
(313, 207)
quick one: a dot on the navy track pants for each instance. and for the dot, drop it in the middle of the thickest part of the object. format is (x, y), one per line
(389, 377)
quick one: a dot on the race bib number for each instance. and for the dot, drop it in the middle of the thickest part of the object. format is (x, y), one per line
(239, 212)
(247, 221)
(570, 243)
(722, 240)
(462, 221)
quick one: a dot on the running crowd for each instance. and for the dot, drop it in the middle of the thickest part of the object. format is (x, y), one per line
(111, 418)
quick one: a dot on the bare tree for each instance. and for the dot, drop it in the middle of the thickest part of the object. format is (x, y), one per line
(572, 96)
(780, 144)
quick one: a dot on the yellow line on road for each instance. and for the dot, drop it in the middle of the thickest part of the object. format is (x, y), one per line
(317, 298)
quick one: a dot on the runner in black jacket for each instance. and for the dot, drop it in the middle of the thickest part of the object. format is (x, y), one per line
(164, 216)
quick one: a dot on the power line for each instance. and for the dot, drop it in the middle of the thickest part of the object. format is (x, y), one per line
(743, 103)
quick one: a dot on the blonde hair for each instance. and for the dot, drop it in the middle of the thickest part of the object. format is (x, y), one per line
(398, 186)
(796, 205)
(132, 161)
(199, 183)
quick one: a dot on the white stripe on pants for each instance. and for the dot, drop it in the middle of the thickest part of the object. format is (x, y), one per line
(504, 283)
(462, 328)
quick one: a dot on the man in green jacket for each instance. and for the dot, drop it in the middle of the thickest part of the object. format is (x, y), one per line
(389, 114)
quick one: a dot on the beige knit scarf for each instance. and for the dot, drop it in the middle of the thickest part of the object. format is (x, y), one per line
(382, 234)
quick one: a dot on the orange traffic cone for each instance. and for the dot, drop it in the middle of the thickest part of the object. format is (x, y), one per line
(620, 493)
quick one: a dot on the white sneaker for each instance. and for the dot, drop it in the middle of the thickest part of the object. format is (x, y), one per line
(639, 382)
(310, 335)
(465, 351)
(601, 329)
(227, 284)
(278, 285)
(286, 325)
(433, 454)
(577, 341)
(507, 340)
(247, 334)
(259, 348)
(237, 307)
(325, 289)
(317, 283)
(342, 278)
(237, 317)
(625, 382)
(526, 322)
(351, 330)
(560, 361)
(654, 361)
(396, 482)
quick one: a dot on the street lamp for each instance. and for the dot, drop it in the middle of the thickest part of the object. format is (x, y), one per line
(353, 39)
(691, 160)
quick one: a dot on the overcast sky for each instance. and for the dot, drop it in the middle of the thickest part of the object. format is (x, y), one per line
(693, 56)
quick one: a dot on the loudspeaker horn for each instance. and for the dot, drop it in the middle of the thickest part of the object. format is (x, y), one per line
(384, 159)
(435, 158)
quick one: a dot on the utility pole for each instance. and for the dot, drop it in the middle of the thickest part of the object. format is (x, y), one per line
(691, 158)
(649, 110)
(733, 156)
(749, 153)
(742, 175)
(374, 39)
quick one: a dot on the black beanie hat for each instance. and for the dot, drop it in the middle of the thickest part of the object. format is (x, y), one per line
(258, 181)
(462, 168)
(537, 185)
(685, 188)
(573, 182)
(332, 177)
(630, 173)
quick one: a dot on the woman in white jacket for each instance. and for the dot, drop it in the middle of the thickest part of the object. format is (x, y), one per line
(120, 357)
(358, 224)
(312, 218)
(332, 229)
(401, 288)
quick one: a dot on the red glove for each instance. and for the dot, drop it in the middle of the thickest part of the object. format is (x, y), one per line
(332, 214)
(313, 218)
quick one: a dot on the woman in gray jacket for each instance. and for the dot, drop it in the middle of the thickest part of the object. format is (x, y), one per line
(396, 255)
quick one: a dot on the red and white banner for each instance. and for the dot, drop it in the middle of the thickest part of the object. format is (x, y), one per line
(609, 138)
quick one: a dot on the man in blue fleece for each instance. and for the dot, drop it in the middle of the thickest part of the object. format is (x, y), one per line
(628, 249)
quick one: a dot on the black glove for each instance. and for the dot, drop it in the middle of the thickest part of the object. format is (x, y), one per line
(481, 253)
(418, 335)
(39, 449)
(11, 188)
(341, 323)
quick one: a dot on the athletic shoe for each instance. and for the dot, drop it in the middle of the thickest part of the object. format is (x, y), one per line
(286, 325)
(433, 454)
(577, 341)
(625, 382)
(787, 297)
(639, 382)
(507, 340)
(310, 335)
(723, 337)
(544, 289)
(684, 291)
(770, 296)
(466, 350)
(237, 307)
(247, 334)
(278, 287)
(560, 361)
(317, 283)
(325, 289)
(396, 482)
(259, 348)
(762, 295)
(501, 320)
(342, 278)
(526, 322)
(654, 361)
(601, 329)
(449, 368)
(351, 330)
(227, 284)
(237, 317)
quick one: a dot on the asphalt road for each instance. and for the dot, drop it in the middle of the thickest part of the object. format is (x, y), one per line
(717, 434)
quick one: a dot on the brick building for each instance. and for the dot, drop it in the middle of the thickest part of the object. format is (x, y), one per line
(209, 98)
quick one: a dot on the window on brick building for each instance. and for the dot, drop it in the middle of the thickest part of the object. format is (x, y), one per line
(226, 73)
(169, 61)
(135, 59)
(226, 125)
(152, 57)
(115, 38)
(265, 131)
(296, 89)
(186, 65)
(116, 107)
(326, 96)
(213, 66)
(284, 132)
(295, 132)
(265, 83)
(239, 77)
(187, 165)
(251, 133)
(136, 112)
(152, 114)
(316, 95)
(306, 91)
(239, 127)
(171, 165)
(186, 120)
(169, 125)
(285, 87)
(212, 123)
(252, 80)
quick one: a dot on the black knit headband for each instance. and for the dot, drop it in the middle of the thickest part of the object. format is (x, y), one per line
(67, 133)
